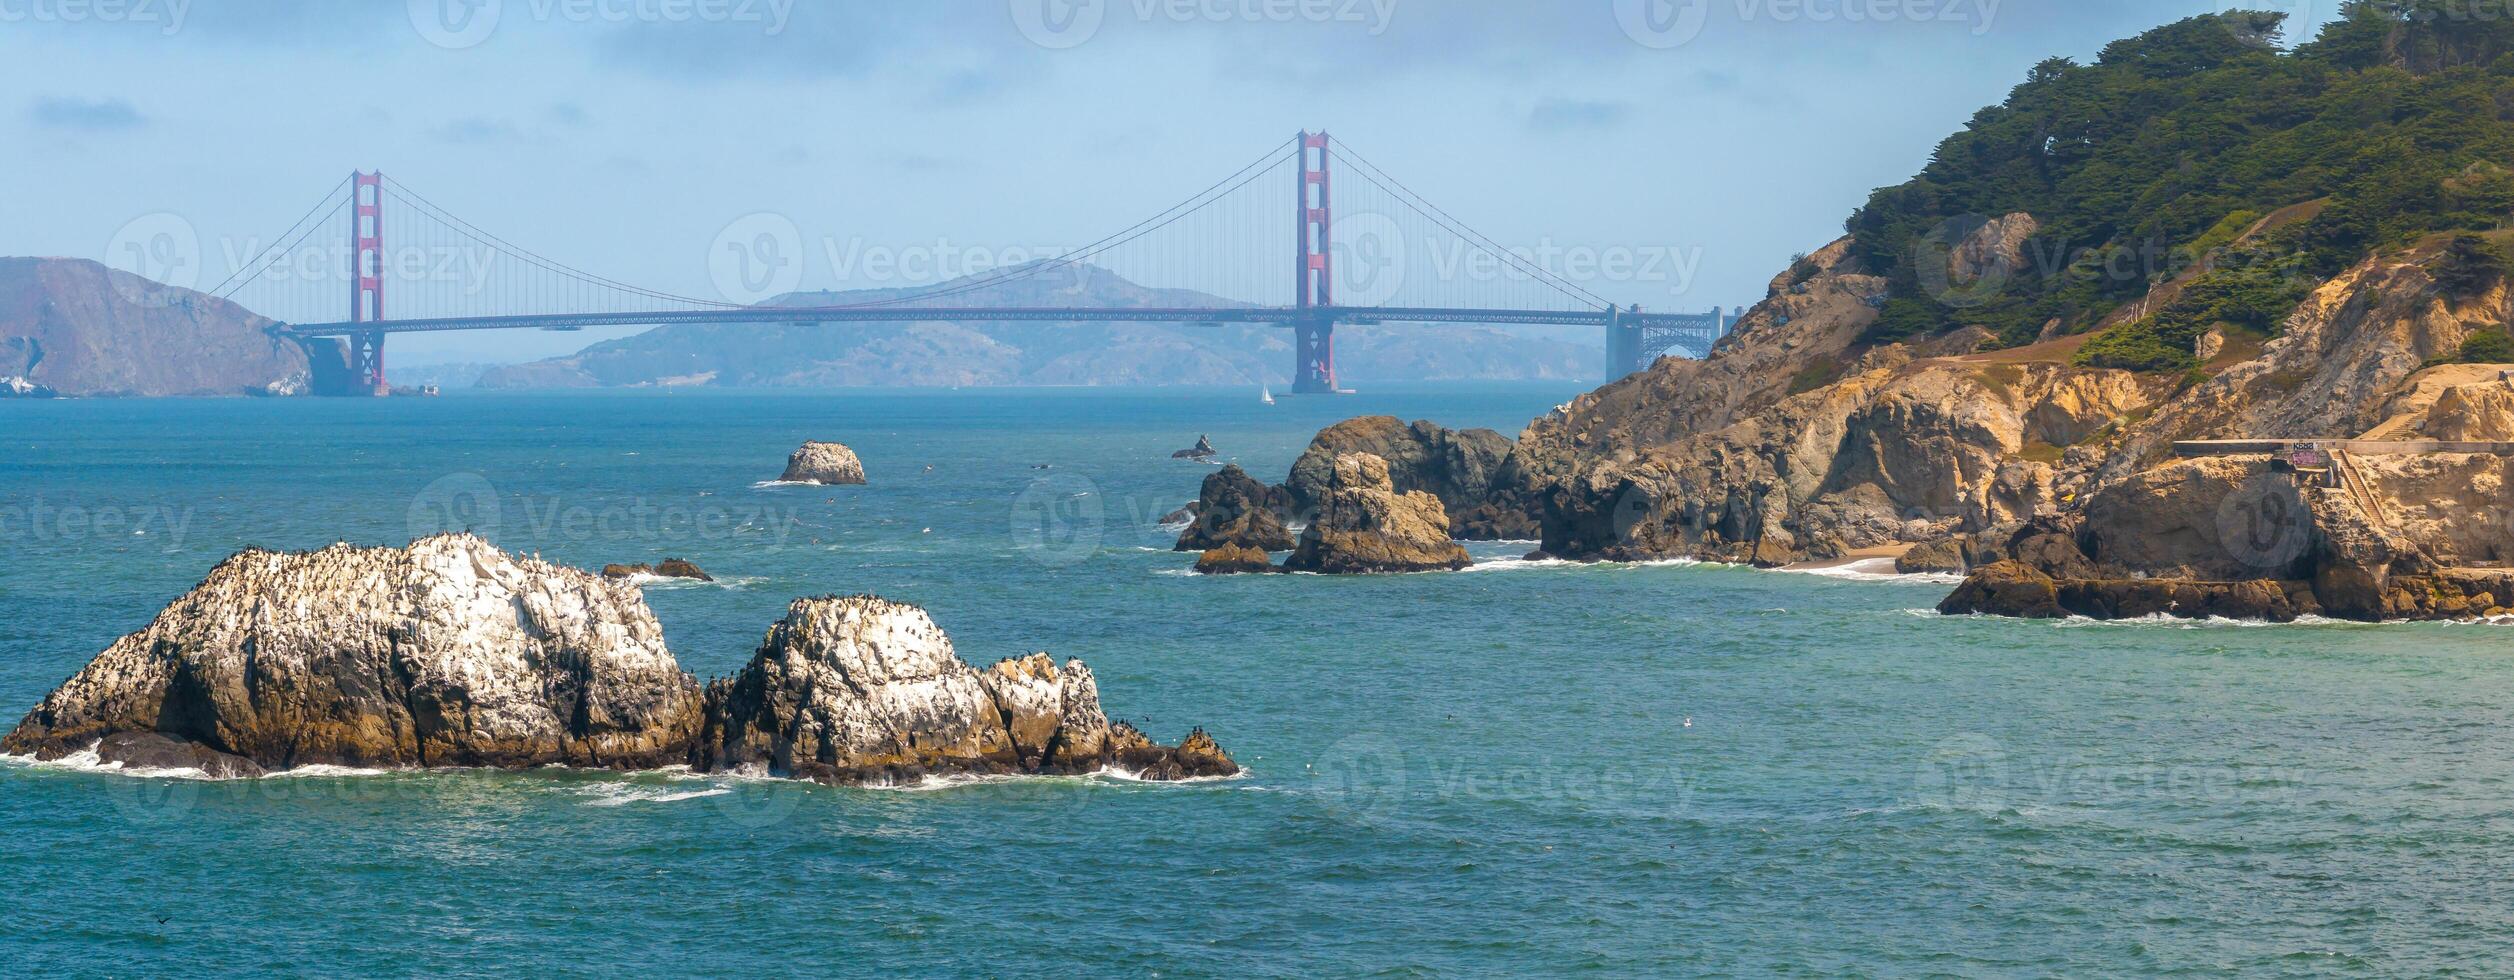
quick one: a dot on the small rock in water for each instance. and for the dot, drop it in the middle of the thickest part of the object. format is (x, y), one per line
(670, 568)
(1231, 559)
(826, 463)
(150, 750)
(1202, 449)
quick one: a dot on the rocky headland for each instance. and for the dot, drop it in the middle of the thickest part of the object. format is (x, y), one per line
(451, 652)
(75, 328)
(2002, 370)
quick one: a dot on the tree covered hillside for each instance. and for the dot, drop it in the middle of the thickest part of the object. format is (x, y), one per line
(2203, 151)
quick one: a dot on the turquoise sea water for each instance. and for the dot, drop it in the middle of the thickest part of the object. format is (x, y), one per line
(1523, 768)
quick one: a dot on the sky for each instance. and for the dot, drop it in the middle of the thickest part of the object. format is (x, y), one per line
(1702, 141)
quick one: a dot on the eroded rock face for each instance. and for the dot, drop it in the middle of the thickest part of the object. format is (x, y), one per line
(826, 463)
(1455, 465)
(2472, 413)
(1898, 452)
(1233, 510)
(446, 653)
(860, 689)
(1364, 525)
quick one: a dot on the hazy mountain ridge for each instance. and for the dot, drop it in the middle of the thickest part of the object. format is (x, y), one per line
(935, 353)
(81, 329)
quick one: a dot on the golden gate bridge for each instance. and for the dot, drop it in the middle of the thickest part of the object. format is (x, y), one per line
(1368, 251)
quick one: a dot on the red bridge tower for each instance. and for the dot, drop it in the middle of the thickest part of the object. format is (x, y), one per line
(1314, 334)
(366, 281)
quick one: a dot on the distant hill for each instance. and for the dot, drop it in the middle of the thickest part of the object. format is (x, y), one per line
(78, 328)
(942, 353)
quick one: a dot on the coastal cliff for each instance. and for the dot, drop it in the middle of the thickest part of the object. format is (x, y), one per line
(1993, 368)
(451, 652)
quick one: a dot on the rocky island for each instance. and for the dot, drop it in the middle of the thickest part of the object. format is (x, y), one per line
(824, 463)
(451, 652)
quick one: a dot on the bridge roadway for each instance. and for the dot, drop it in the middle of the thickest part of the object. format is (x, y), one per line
(1269, 315)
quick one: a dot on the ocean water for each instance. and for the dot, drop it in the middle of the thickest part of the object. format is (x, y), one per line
(1523, 768)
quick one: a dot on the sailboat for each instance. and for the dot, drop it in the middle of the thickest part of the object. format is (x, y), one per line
(1265, 394)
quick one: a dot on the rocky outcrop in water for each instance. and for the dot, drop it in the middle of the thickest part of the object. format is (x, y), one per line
(446, 653)
(1203, 449)
(1234, 510)
(1455, 465)
(1233, 560)
(2013, 588)
(860, 689)
(2412, 536)
(1364, 525)
(668, 568)
(453, 653)
(826, 463)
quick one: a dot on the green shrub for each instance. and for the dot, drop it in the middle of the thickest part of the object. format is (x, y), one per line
(2256, 298)
(2469, 266)
(2398, 117)
(2491, 346)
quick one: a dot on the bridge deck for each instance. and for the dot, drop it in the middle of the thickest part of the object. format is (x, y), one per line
(1274, 316)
